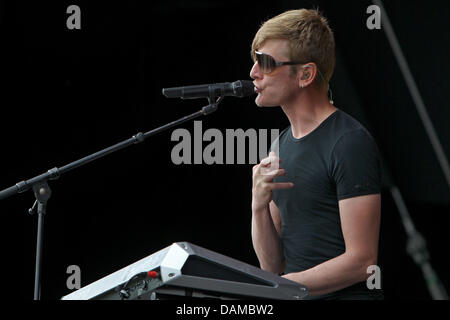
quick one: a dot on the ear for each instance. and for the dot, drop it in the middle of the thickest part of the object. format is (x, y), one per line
(307, 74)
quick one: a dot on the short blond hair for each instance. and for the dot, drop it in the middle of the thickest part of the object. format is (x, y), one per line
(309, 36)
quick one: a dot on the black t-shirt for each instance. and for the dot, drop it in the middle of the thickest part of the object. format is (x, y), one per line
(337, 160)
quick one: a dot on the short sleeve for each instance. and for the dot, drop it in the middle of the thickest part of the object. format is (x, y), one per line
(355, 165)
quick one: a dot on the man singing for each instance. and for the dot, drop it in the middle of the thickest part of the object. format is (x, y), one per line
(316, 216)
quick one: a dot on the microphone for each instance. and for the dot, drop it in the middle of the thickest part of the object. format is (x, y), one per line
(240, 88)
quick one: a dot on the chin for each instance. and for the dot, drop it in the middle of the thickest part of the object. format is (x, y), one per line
(266, 105)
(262, 103)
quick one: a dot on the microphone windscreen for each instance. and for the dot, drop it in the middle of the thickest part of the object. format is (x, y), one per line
(247, 88)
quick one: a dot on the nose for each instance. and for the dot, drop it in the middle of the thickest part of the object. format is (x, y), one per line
(255, 72)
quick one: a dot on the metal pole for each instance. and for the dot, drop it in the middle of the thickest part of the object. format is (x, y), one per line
(415, 94)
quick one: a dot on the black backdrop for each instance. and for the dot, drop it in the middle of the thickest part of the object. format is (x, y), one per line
(74, 92)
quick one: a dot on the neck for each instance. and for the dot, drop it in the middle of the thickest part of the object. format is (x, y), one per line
(307, 111)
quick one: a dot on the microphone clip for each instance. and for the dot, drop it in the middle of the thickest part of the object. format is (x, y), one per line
(212, 106)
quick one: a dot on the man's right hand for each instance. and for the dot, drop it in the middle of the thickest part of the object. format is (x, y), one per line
(263, 174)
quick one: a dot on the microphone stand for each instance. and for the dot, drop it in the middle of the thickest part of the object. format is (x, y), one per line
(416, 245)
(42, 191)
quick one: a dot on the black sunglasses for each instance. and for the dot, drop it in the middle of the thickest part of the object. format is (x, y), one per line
(267, 63)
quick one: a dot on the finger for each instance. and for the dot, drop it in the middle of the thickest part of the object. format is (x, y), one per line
(281, 185)
(270, 160)
(270, 174)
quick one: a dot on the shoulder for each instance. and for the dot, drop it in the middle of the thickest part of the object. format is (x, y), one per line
(355, 145)
(350, 134)
(344, 122)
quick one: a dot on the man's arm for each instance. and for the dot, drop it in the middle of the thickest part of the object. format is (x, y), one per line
(266, 222)
(360, 222)
(266, 237)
